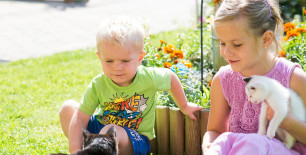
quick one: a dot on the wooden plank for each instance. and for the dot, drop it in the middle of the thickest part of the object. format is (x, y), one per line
(203, 122)
(192, 135)
(153, 146)
(176, 132)
(162, 130)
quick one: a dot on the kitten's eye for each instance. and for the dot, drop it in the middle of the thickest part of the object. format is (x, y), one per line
(253, 88)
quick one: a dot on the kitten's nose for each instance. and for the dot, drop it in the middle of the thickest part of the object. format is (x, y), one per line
(247, 79)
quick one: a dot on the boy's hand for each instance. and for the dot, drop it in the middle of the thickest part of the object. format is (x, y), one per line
(189, 109)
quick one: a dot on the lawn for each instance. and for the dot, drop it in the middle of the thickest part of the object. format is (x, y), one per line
(32, 92)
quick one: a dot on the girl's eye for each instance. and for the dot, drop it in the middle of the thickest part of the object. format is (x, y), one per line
(125, 60)
(109, 61)
(237, 45)
(222, 44)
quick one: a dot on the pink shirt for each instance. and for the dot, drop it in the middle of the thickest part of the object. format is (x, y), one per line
(244, 115)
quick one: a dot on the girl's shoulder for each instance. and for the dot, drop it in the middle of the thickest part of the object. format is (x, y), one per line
(282, 71)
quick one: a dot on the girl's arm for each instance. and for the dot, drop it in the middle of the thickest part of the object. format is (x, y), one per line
(295, 127)
(218, 115)
(178, 95)
(79, 120)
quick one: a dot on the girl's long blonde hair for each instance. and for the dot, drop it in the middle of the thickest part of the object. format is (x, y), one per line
(260, 16)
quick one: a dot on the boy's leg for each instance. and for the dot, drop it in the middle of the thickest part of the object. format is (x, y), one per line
(125, 145)
(66, 112)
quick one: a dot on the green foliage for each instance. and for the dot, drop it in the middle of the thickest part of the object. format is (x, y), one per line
(187, 42)
(295, 44)
(291, 8)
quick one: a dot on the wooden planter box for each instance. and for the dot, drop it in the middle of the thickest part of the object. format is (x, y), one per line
(177, 134)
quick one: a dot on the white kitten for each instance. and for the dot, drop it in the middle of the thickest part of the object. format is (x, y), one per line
(280, 99)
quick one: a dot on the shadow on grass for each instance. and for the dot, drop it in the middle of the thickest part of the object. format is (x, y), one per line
(4, 61)
(58, 4)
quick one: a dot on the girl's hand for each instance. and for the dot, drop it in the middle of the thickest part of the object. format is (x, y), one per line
(189, 109)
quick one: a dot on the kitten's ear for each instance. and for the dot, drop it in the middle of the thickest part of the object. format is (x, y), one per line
(112, 131)
(85, 133)
(247, 79)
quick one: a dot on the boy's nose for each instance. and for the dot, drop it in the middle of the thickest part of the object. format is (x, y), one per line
(118, 66)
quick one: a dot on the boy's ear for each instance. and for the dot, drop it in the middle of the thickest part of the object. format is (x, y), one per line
(268, 37)
(97, 53)
(142, 55)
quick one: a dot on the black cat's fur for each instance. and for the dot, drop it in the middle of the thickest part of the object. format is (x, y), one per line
(98, 144)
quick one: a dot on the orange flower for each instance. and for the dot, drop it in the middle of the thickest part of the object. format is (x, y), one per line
(301, 30)
(293, 32)
(169, 49)
(162, 42)
(282, 53)
(176, 61)
(286, 38)
(216, 1)
(288, 26)
(187, 63)
(167, 64)
(304, 12)
(209, 84)
(159, 49)
(178, 54)
(158, 56)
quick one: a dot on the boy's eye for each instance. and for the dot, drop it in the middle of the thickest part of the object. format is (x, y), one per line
(125, 60)
(222, 44)
(109, 60)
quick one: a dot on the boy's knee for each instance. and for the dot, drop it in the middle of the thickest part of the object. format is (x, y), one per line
(68, 106)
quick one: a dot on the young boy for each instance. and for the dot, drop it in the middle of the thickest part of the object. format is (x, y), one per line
(124, 93)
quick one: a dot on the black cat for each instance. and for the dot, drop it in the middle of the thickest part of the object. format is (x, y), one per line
(98, 144)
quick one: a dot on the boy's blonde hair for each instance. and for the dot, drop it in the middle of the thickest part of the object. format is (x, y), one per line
(120, 31)
(260, 16)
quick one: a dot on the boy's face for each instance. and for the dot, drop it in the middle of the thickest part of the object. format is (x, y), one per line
(120, 63)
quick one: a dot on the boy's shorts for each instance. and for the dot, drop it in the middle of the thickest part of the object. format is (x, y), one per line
(141, 143)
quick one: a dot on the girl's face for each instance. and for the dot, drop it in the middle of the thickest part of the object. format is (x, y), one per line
(120, 63)
(241, 50)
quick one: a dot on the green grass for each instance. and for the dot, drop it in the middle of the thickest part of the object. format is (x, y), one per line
(32, 92)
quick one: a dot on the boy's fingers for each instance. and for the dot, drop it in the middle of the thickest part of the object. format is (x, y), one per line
(192, 117)
(199, 108)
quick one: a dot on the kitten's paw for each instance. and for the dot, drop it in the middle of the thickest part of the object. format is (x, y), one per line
(261, 132)
(289, 146)
(289, 141)
(271, 134)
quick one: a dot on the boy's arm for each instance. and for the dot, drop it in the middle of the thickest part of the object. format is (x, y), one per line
(79, 120)
(178, 95)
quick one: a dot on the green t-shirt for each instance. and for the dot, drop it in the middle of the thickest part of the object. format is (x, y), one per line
(132, 106)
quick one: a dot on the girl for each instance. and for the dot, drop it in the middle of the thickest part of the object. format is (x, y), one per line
(248, 32)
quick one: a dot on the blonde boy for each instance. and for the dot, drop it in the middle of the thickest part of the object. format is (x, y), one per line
(124, 94)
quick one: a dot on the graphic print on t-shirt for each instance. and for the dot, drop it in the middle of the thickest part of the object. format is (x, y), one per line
(125, 112)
